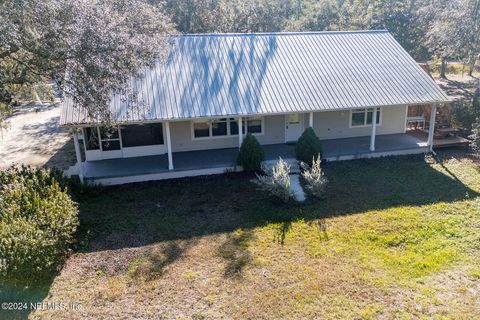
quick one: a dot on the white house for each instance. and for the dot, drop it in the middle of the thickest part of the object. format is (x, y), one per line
(194, 108)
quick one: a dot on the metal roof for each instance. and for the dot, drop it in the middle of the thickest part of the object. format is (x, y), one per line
(214, 75)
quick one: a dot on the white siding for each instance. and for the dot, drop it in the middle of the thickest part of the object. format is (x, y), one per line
(335, 124)
(273, 132)
(327, 125)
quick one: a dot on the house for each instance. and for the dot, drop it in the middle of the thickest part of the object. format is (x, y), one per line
(194, 108)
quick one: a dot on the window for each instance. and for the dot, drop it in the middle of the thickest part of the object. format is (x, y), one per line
(142, 135)
(254, 125)
(91, 138)
(363, 117)
(201, 129)
(219, 127)
(234, 126)
(293, 118)
(225, 127)
(110, 139)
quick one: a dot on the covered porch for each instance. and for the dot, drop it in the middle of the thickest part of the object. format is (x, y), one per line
(360, 147)
(216, 161)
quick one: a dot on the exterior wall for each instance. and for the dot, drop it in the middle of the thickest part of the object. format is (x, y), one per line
(182, 140)
(327, 125)
(336, 124)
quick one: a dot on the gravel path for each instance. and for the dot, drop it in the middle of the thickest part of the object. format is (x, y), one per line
(35, 139)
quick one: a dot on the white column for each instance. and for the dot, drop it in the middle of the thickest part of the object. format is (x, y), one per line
(310, 120)
(169, 145)
(374, 130)
(240, 132)
(78, 155)
(431, 127)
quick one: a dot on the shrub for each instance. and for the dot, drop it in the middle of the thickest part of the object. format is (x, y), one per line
(276, 181)
(466, 114)
(38, 221)
(251, 154)
(314, 178)
(308, 146)
(475, 137)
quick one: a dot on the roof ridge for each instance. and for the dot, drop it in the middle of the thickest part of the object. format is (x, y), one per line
(289, 33)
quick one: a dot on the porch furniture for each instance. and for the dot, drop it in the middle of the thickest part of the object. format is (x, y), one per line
(445, 132)
(416, 121)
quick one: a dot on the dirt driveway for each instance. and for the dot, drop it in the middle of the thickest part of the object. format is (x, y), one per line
(34, 138)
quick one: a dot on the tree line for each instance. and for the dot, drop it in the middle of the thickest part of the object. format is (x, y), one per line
(426, 29)
(90, 47)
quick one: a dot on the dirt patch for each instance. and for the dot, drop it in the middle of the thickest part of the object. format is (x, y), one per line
(458, 87)
(34, 138)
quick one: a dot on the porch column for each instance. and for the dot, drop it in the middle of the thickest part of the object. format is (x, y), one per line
(431, 127)
(310, 120)
(374, 130)
(169, 145)
(240, 132)
(78, 155)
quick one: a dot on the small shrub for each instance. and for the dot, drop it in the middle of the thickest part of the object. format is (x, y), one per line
(276, 181)
(475, 137)
(251, 154)
(38, 220)
(308, 146)
(314, 178)
(466, 114)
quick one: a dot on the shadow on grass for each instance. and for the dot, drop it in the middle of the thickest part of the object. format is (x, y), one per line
(284, 228)
(18, 302)
(152, 265)
(177, 212)
(235, 251)
(141, 214)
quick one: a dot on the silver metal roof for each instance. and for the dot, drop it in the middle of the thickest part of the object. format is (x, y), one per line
(245, 74)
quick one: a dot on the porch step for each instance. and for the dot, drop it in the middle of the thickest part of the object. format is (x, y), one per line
(292, 163)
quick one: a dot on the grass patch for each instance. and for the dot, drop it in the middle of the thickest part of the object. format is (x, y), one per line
(392, 237)
(452, 68)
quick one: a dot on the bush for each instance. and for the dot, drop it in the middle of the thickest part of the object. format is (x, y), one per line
(308, 146)
(251, 154)
(315, 181)
(466, 114)
(276, 181)
(38, 221)
(475, 137)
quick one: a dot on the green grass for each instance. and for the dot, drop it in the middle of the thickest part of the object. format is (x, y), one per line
(392, 238)
(452, 68)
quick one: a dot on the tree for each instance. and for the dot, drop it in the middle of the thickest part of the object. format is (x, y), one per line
(453, 30)
(90, 47)
(473, 28)
(202, 16)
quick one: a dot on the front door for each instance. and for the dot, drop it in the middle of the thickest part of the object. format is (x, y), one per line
(110, 143)
(293, 126)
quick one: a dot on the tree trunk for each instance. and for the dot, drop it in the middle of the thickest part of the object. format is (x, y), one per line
(443, 67)
(471, 63)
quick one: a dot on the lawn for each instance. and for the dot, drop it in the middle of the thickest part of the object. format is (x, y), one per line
(393, 238)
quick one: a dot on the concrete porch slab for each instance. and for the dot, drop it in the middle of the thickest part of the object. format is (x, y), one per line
(191, 163)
